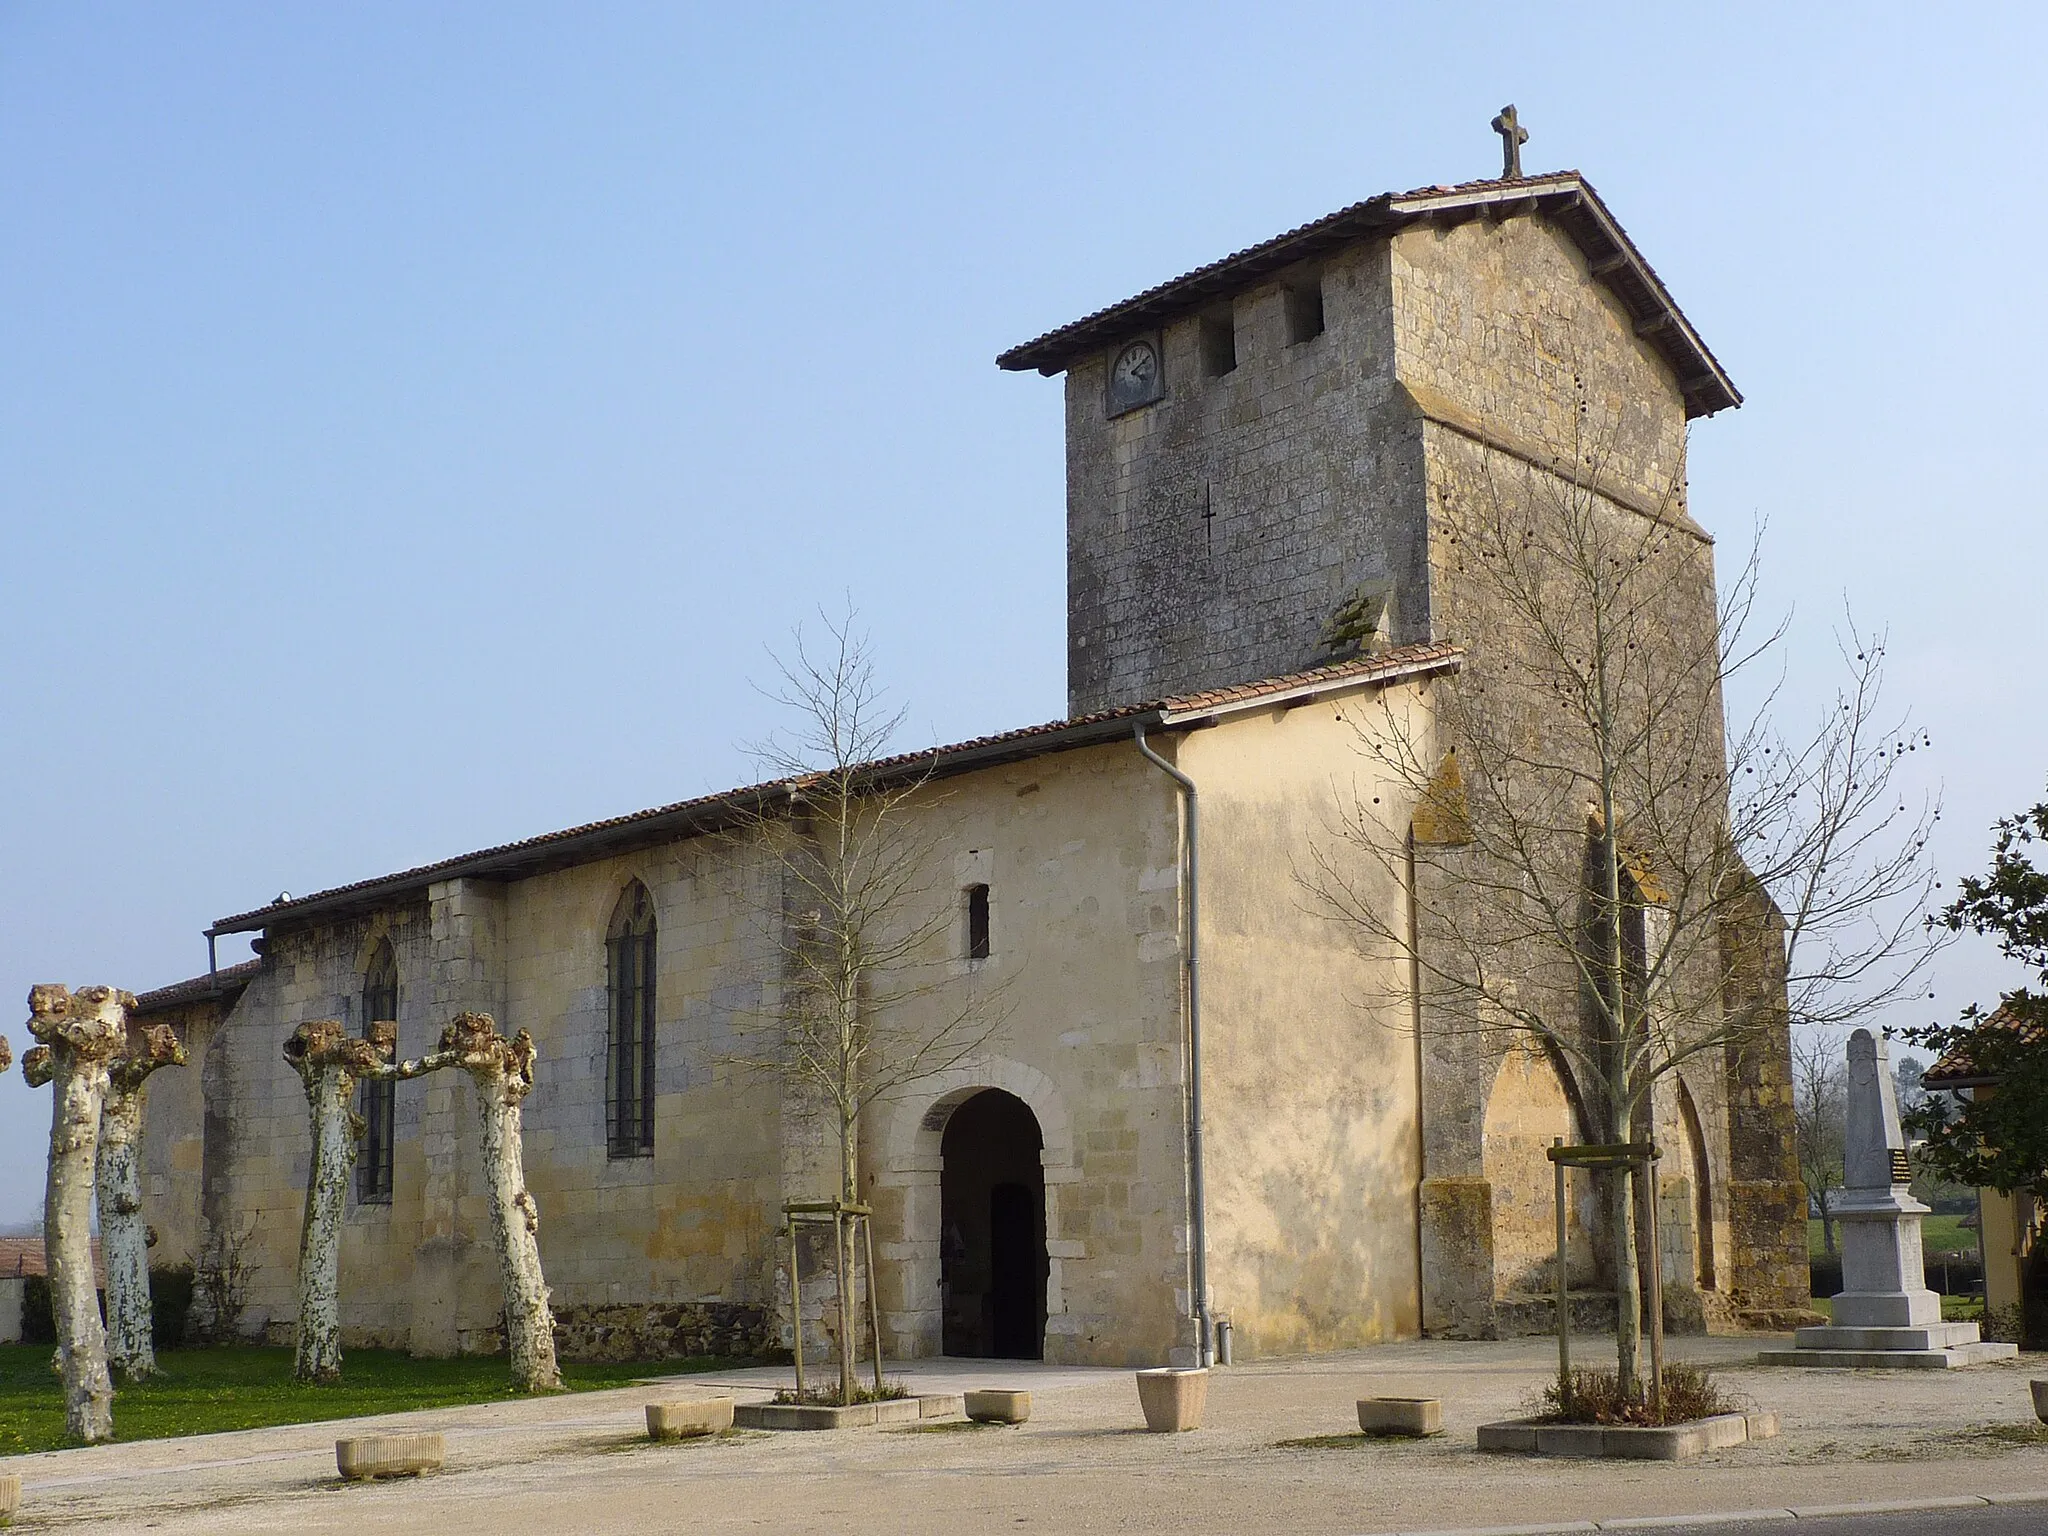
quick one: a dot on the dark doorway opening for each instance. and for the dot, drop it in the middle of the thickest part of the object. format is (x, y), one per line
(992, 1230)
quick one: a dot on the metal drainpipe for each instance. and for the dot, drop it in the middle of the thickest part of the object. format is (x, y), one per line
(1197, 1195)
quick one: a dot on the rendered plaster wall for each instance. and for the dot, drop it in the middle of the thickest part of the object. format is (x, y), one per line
(1080, 851)
(1525, 1113)
(173, 1139)
(679, 1250)
(1309, 1065)
(1212, 535)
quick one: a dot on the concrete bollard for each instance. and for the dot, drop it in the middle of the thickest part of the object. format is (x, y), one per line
(2040, 1391)
(10, 1495)
(1415, 1417)
(1173, 1398)
(686, 1420)
(368, 1456)
(993, 1406)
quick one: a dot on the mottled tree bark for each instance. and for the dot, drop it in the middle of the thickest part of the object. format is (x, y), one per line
(124, 1237)
(80, 1033)
(503, 1073)
(330, 1062)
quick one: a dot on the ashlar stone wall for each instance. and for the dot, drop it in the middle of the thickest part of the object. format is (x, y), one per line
(1211, 537)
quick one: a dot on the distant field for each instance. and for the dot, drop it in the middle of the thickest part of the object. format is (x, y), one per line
(1938, 1234)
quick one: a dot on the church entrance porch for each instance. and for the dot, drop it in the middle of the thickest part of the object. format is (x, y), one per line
(992, 1253)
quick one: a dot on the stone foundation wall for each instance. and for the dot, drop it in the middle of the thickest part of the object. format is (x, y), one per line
(661, 1330)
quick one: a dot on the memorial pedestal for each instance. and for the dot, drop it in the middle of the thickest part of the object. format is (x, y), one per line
(1885, 1318)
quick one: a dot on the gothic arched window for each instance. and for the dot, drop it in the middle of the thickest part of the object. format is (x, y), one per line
(629, 1046)
(378, 1100)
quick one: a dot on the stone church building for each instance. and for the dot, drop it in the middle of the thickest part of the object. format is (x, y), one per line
(1255, 454)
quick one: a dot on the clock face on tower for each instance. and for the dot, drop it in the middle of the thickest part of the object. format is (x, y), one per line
(1135, 377)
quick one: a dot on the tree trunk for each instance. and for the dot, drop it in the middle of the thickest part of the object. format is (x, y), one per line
(328, 1061)
(842, 1230)
(1628, 1298)
(80, 1033)
(1827, 1226)
(317, 1342)
(124, 1236)
(124, 1240)
(503, 1073)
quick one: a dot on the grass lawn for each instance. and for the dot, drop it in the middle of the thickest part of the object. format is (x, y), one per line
(202, 1390)
(1954, 1309)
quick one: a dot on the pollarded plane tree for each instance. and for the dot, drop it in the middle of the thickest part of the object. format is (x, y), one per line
(79, 1036)
(124, 1236)
(1596, 862)
(330, 1063)
(502, 1071)
(859, 922)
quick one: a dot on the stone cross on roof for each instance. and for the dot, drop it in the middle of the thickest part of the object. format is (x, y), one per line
(1512, 137)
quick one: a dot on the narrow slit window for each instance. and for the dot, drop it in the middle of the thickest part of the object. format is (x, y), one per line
(977, 922)
(1219, 344)
(629, 1055)
(1304, 310)
(377, 1099)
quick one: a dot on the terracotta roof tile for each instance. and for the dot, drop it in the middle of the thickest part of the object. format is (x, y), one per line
(229, 978)
(23, 1258)
(1957, 1069)
(707, 811)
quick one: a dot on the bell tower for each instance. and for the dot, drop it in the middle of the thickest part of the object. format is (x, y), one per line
(1252, 447)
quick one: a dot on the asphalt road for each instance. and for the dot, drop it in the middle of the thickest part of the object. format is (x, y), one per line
(2011, 1520)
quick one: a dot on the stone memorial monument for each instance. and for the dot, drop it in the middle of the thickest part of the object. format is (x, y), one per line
(1884, 1314)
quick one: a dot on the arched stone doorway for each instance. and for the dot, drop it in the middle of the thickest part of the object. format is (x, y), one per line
(992, 1254)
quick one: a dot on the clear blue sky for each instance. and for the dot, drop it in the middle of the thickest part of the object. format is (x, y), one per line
(415, 421)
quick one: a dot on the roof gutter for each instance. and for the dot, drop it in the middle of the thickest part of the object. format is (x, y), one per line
(1198, 1203)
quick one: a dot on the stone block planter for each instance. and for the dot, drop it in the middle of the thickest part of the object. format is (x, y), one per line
(990, 1406)
(368, 1456)
(10, 1495)
(1173, 1398)
(1412, 1417)
(897, 1410)
(685, 1420)
(2040, 1391)
(1670, 1442)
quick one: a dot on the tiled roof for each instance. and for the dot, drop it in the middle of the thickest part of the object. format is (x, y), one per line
(1563, 196)
(596, 839)
(1957, 1069)
(229, 978)
(23, 1257)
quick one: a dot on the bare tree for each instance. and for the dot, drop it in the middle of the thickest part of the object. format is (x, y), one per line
(1818, 1111)
(124, 1236)
(865, 1007)
(330, 1062)
(80, 1034)
(503, 1073)
(1603, 852)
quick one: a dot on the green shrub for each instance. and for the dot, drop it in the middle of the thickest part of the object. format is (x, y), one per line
(1689, 1393)
(170, 1304)
(38, 1317)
